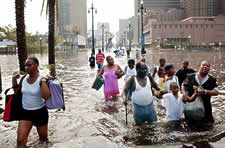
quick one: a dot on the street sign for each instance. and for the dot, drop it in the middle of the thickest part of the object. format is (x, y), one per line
(142, 40)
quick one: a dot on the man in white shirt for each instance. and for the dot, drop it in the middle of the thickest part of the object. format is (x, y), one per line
(143, 107)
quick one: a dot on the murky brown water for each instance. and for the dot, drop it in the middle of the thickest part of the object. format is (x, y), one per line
(89, 121)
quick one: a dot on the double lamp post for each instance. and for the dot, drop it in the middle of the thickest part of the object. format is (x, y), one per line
(93, 38)
(142, 10)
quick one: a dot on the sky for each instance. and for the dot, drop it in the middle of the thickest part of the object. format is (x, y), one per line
(107, 11)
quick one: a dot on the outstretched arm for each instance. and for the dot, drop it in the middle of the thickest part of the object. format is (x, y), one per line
(126, 89)
(100, 73)
(119, 72)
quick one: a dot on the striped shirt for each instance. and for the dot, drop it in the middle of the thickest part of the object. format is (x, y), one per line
(100, 58)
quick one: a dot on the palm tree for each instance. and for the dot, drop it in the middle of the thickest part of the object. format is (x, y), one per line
(50, 12)
(51, 31)
(20, 33)
(8, 32)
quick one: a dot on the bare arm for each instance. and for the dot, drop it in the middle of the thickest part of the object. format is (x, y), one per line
(185, 96)
(45, 90)
(14, 81)
(154, 72)
(153, 83)
(209, 92)
(119, 72)
(100, 73)
(125, 90)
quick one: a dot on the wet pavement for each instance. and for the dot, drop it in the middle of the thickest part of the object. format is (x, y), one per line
(89, 121)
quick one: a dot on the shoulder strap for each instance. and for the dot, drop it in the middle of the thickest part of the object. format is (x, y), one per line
(18, 86)
(125, 69)
(131, 89)
(20, 83)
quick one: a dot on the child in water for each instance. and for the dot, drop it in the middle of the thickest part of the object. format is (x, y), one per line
(174, 103)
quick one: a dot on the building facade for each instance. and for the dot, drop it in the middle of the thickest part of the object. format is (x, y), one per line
(195, 31)
(99, 35)
(72, 19)
(203, 7)
(159, 7)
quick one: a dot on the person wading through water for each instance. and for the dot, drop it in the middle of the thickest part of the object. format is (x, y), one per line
(142, 98)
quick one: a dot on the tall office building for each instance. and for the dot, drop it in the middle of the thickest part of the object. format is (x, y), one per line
(98, 33)
(203, 7)
(160, 5)
(72, 18)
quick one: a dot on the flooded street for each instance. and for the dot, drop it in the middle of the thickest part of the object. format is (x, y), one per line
(90, 122)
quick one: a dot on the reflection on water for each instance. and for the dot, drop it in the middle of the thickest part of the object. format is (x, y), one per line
(89, 121)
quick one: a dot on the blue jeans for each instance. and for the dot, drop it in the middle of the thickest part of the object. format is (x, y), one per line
(100, 66)
(144, 113)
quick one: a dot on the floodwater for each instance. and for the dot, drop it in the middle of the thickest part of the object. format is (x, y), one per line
(90, 122)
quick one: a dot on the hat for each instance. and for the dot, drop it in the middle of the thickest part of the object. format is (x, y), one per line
(99, 49)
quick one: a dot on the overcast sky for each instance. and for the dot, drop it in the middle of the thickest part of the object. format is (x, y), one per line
(108, 11)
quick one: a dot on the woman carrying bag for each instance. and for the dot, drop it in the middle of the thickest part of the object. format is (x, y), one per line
(205, 86)
(35, 91)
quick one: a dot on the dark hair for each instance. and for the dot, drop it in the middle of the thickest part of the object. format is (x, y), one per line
(34, 59)
(186, 62)
(138, 66)
(107, 58)
(162, 60)
(160, 71)
(131, 61)
(168, 67)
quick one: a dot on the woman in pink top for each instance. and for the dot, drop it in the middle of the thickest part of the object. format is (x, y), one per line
(111, 73)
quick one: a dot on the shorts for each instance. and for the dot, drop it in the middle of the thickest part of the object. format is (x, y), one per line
(144, 114)
(38, 117)
(100, 66)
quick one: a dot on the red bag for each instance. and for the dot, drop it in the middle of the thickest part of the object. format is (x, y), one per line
(13, 106)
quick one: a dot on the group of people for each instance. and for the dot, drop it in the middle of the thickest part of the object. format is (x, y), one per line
(175, 89)
(172, 89)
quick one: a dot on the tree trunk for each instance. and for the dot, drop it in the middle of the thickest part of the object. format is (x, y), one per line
(20, 33)
(51, 34)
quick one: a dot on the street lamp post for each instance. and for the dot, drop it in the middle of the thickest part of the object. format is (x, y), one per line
(125, 38)
(142, 9)
(103, 27)
(220, 45)
(93, 38)
(106, 40)
(41, 44)
(129, 28)
(189, 37)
